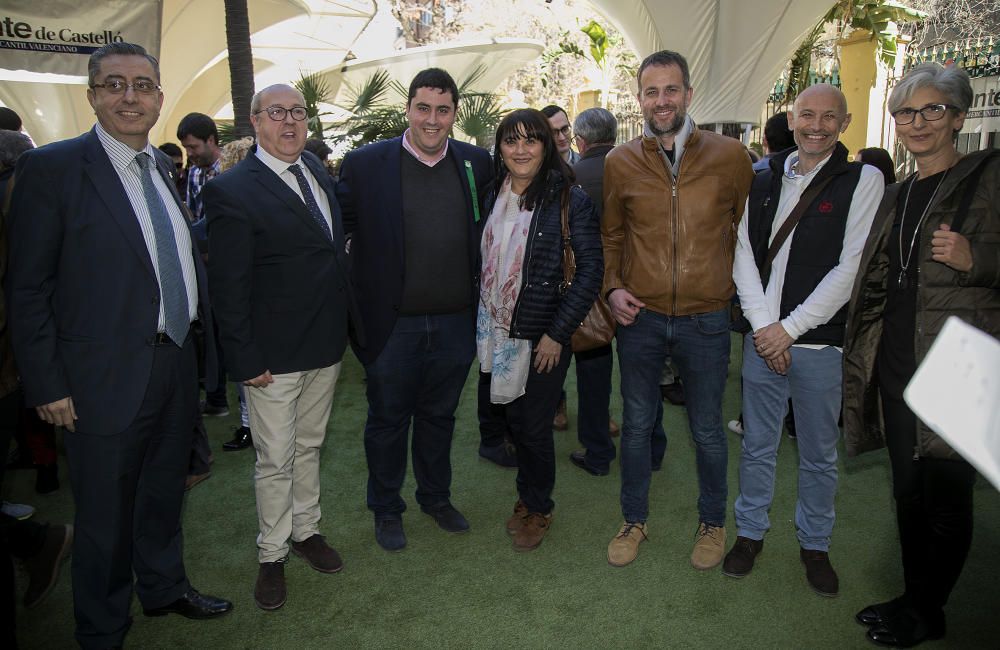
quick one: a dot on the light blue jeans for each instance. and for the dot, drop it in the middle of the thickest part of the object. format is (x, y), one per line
(813, 382)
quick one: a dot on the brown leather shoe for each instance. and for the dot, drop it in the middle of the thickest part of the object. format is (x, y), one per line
(516, 520)
(561, 421)
(269, 592)
(709, 546)
(819, 572)
(613, 429)
(318, 554)
(43, 567)
(532, 532)
(194, 479)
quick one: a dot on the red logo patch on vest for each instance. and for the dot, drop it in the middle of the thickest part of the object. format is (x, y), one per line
(825, 207)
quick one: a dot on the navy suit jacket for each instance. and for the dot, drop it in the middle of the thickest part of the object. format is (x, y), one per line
(284, 296)
(370, 195)
(82, 293)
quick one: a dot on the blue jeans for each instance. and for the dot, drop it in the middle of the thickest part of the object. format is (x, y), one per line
(699, 346)
(593, 387)
(418, 377)
(813, 382)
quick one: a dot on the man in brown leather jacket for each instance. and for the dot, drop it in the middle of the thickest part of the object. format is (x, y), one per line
(672, 201)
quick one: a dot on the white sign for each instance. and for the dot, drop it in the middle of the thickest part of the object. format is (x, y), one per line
(983, 117)
(58, 36)
(956, 392)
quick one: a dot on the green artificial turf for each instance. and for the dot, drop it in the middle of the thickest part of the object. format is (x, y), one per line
(474, 591)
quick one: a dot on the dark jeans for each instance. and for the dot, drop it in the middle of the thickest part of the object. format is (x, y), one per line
(418, 377)
(529, 420)
(699, 345)
(593, 387)
(933, 511)
(129, 488)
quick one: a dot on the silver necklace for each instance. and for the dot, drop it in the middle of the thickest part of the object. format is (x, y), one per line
(902, 281)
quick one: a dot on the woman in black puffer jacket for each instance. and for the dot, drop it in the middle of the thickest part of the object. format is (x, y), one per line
(527, 314)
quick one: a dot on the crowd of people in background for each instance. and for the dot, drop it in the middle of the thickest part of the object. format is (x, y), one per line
(133, 278)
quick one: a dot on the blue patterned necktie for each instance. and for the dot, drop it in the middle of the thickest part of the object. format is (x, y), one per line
(173, 292)
(310, 200)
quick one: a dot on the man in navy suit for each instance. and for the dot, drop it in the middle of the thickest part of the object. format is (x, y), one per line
(277, 267)
(412, 209)
(104, 291)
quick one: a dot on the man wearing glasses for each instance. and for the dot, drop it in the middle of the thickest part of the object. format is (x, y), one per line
(104, 288)
(562, 133)
(279, 273)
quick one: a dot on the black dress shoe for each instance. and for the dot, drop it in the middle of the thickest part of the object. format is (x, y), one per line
(241, 440)
(193, 605)
(740, 559)
(906, 628)
(503, 455)
(673, 393)
(447, 517)
(879, 613)
(579, 458)
(389, 533)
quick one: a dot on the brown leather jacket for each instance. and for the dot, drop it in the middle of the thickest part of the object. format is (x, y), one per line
(671, 244)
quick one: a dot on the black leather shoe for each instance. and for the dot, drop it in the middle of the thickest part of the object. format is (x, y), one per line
(579, 458)
(389, 533)
(673, 393)
(740, 559)
(241, 440)
(447, 518)
(193, 605)
(879, 613)
(906, 628)
(503, 455)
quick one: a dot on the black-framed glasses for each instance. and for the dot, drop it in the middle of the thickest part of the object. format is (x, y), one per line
(119, 86)
(930, 113)
(565, 132)
(278, 113)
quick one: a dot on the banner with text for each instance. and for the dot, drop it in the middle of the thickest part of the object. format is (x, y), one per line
(58, 36)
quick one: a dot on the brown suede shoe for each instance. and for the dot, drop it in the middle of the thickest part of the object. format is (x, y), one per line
(318, 554)
(819, 572)
(624, 548)
(613, 429)
(516, 521)
(709, 546)
(269, 592)
(532, 532)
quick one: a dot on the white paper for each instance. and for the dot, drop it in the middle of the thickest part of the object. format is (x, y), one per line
(956, 392)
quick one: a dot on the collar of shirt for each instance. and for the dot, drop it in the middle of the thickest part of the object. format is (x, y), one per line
(413, 152)
(274, 164)
(121, 154)
(793, 160)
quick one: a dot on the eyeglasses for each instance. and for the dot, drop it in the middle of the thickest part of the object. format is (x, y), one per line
(118, 86)
(278, 113)
(930, 113)
(565, 132)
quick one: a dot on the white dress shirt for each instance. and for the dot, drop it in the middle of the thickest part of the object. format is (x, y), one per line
(280, 167)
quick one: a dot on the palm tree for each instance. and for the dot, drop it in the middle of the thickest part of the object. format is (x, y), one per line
(240, 64)
(315, 91)
(873, 16)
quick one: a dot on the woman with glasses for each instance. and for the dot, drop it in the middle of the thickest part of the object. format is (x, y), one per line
(933, 253)
(527, 314)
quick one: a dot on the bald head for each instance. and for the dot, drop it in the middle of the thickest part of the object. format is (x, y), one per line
(258, 100)
(817, 119)
(823, 92)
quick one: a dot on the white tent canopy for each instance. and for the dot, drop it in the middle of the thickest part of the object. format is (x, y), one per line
(735, 48)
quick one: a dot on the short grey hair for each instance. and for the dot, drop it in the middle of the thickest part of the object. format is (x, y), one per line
(596, 126)
(118, 49)
(12, 145)
(952, 82)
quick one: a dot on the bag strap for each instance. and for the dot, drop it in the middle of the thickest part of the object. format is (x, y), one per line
(805, 200)
(971, 184)
(569, 259)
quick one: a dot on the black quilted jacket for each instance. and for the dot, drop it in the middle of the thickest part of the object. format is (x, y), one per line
(544, 304)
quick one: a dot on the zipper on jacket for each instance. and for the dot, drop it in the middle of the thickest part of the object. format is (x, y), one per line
(673, 279)
(532, 235)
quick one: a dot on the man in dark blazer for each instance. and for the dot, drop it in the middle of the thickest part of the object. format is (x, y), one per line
(104, 288)
(277, 266)
(412, 210)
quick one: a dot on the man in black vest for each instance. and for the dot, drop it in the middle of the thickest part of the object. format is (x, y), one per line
(807, 218)
(412, 209)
